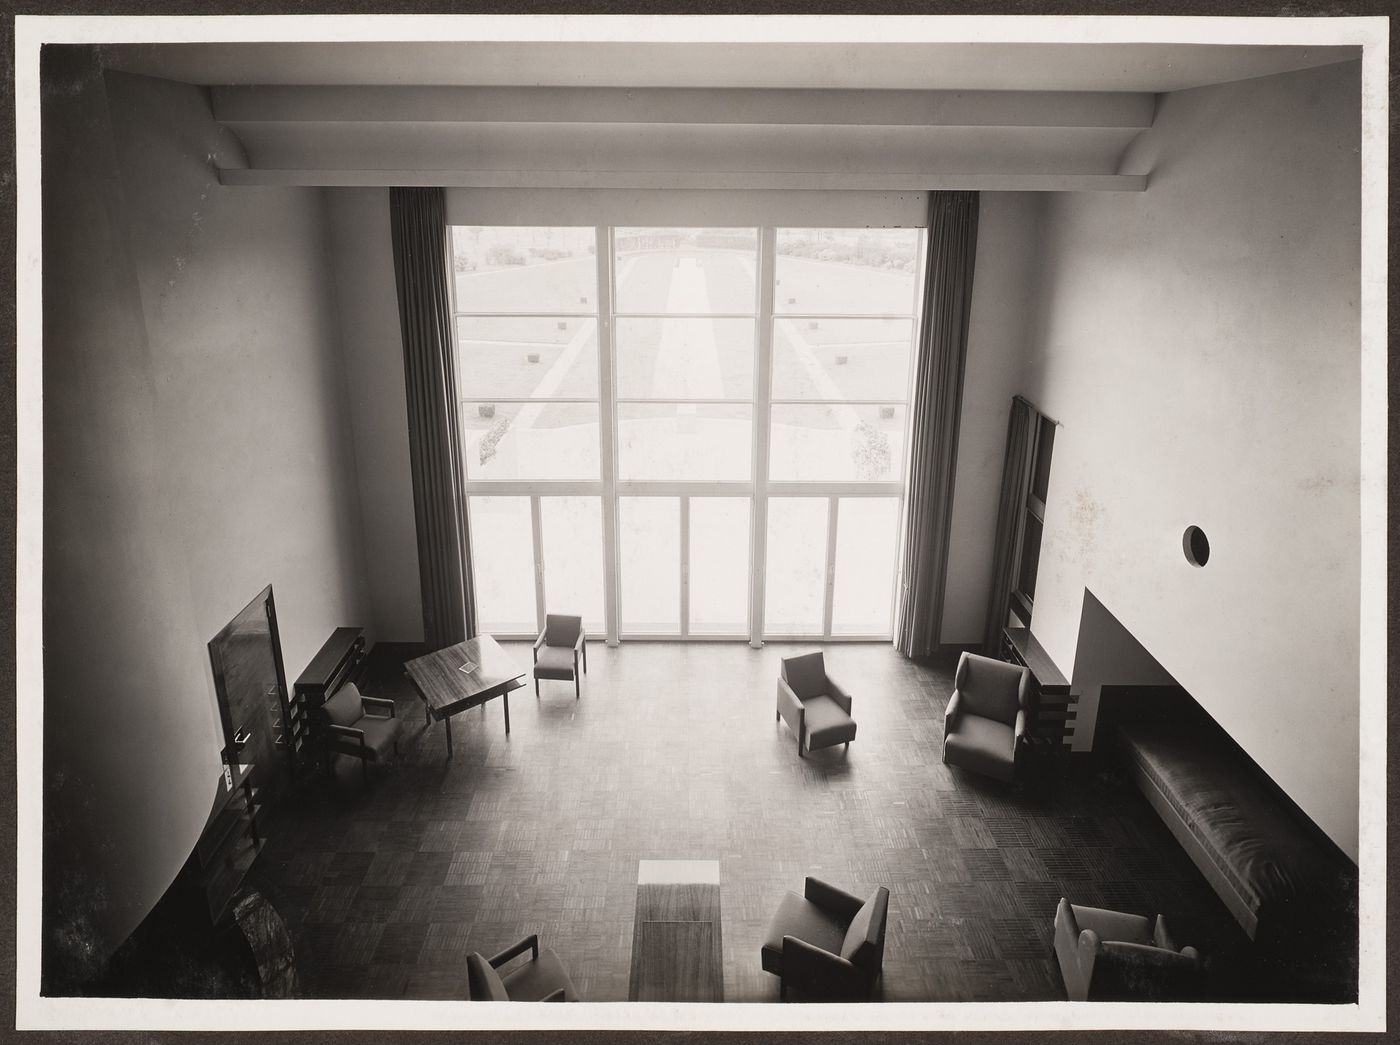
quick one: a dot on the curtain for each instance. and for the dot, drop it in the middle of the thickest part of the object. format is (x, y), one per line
(418, 224)
(1015, 483)
(934, 417)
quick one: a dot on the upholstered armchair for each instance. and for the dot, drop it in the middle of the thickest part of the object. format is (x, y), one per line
(1109, 956)
(541, 978)
(359, 726)
(984, 724)
(558, 648)
(827, 943)
(815, 707)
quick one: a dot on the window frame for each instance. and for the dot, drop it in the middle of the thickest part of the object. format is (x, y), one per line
(610, 487)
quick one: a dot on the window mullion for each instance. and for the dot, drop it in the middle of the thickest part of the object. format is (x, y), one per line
(607, 427)
(762, 432)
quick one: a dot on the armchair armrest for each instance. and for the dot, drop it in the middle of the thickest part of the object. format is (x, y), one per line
(1162, 936)
(818, 972)
(555, 995)
(790, 707)
(381, 703)
(961, 676)
(535, 649)
(1023, 690)
(838, 693)
(830, 898)
(350, 733)
(1021, 726)
(531, 943)
(578, 642)
(951, 712)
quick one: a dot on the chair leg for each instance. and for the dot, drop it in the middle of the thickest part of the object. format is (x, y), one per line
(576, 683)
(537, 686)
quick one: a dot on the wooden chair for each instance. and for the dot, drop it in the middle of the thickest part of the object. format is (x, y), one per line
(558, 648)
(359, 726)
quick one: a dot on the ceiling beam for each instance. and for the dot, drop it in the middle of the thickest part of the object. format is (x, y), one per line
(888, 181)
(239, 105)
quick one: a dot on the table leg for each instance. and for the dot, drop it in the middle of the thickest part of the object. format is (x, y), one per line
(505, 703)
(447, 725)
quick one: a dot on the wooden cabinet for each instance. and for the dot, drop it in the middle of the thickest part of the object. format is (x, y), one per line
(338, 659)
(230, 842)
(1055, 705)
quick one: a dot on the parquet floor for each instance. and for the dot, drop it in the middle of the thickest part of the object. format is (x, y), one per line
(673, 753)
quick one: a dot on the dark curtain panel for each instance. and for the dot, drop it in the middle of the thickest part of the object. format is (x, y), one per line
(1015, 482)
(418, 221)
(934, 414)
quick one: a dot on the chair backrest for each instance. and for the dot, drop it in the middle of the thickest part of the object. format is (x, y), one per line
(864, 945)
(990, 688)
(805, 674)
(483, 982)
(346, 707)
(560, 629)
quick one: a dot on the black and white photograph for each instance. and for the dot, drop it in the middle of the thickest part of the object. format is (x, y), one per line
(701, 522)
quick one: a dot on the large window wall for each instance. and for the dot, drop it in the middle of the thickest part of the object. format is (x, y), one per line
(686, 432)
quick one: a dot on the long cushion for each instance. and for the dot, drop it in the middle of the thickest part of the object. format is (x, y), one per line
(483, 984)
(982, 745)
(1254, 839)
(561, 629)
(533, 980)
(805, 675)
(555, 662)
(990, 688)
(345, 708)
(797, 916)
(862, 945)
(827, 723)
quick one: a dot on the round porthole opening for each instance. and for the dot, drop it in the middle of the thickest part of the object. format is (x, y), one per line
(1195, 545)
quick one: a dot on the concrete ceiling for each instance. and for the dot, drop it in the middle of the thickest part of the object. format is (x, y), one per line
(1150, 67)
(619, 115)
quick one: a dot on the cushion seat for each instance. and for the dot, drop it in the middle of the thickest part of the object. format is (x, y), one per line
(983, 745)
(555, 662)
(1114, 925)
(380, 734)
(827, 723)
(799, 917)
(535, 979)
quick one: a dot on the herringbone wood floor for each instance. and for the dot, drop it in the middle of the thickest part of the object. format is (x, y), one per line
(673, 752)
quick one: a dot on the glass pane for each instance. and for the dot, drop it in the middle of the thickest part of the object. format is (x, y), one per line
(503, 564)
(683, 441)
(685, 358)
(719, 565)
(524, 269)
(649, 556)
(838, 442)
(1044, 447)
(572, 531)
(841, 358)
(1030, 557)
(863, 586)
(686, 270)
(862, 271)
(540, 440)
(795, 592)
(518, 357)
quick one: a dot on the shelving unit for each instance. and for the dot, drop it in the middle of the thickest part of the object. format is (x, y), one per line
(338, 659)
(1055, 705)
(230, 842)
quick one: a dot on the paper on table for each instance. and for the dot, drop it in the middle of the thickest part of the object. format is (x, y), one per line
(468, 668)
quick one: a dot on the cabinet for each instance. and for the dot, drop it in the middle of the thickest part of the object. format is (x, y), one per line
(230, 842)
(338, 659)
(1055, 706)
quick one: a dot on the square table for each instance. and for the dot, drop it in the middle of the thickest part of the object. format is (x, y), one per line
(464, 676)
(676, 946)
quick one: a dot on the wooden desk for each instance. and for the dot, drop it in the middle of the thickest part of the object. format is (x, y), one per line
(447, 690)
(676, 946)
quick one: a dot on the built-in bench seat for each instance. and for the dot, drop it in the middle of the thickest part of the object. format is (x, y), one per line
(1246, 839)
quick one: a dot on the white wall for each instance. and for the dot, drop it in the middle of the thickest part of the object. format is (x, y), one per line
(362, 258)
(1200, 343)
(1007, 228)
(194, 450)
